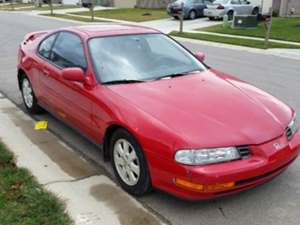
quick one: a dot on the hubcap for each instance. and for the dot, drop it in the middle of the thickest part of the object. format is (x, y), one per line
(126, 162)
(27, 93)
(193, 15)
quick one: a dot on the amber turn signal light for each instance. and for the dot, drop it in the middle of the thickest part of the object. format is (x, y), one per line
(204, 187)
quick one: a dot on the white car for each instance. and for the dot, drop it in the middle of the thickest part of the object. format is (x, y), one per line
(219, 8)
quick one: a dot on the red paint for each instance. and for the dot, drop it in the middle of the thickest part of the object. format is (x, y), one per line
(208, 109)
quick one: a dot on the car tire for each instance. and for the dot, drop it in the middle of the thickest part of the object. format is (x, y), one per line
(255, 11)
(230, 15)
(129, 163)
(176, 17)
(28, 96)
(211, 18)
(192, 15)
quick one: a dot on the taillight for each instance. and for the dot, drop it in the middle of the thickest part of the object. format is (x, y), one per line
(220, 7)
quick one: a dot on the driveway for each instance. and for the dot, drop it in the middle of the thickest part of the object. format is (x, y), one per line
(171, 24)
(276, 202)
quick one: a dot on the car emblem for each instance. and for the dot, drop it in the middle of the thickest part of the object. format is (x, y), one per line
(277, 146)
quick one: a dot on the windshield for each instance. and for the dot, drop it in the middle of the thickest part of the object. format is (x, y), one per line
(140, 57)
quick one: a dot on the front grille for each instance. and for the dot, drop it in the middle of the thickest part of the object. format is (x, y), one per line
(244, 151)
(289, 133)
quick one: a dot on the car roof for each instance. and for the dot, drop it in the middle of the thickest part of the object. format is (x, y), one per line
(110, 29)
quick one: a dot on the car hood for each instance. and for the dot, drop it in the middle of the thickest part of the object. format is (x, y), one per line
(210, 110)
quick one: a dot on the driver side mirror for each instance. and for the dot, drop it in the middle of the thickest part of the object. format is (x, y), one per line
(73, 74)
(200, 56)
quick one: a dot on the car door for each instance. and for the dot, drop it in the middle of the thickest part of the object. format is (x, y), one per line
(199, 6)
(70, 100)
(236, 5)
(246, 7)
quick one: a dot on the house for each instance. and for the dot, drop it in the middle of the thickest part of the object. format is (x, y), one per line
(287, 7)
(140, 3)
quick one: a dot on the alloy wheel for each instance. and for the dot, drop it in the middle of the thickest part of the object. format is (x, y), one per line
(27, 93)
(126, 162)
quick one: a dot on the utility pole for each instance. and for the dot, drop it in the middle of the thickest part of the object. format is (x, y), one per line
(92, 10)
(51, 7)
(268, 26)
(181, 17)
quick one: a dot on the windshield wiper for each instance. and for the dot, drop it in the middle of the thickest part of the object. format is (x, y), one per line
(176, 74)
(125, 81)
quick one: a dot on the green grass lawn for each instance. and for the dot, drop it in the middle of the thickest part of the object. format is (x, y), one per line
(233, 41)
(287, 29)
(22, 199)
(16, 5)
(135, 15)
(73, 17)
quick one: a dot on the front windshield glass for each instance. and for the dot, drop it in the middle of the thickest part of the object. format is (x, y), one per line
(140, 57)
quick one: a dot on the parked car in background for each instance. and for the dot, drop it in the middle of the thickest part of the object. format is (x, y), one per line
(191, 8)
(219, 8)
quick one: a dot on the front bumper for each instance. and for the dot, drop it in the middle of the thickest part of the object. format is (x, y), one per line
(265, 163)
(217, 13)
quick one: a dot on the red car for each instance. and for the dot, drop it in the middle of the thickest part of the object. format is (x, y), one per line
(164, 118)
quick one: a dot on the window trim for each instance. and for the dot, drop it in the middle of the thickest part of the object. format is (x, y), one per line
(57, 35)
(44, 39)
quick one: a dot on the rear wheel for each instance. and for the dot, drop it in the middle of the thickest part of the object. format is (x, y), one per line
(129, 163)
(255, 11)
(192, 15)
(211, 18)
(28, 96)
(230, 15)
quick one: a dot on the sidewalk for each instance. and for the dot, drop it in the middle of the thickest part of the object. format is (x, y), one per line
(72, 10)
(91, 197)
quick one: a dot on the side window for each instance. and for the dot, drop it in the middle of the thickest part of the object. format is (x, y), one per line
(68, 51)
(235, 2)
(46, 45)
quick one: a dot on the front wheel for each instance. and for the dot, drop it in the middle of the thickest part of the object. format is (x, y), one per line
(28, 96)
(129, 163)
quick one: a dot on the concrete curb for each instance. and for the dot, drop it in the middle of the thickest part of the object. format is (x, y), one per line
(90, 196)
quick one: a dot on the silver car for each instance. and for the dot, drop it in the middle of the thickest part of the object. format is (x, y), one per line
(219, 8)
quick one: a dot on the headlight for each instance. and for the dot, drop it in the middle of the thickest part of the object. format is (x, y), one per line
(292, 128)
(206, 156)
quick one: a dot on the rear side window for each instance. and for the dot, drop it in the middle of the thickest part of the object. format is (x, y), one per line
(68, 51)
(46, 45)
(235, 2)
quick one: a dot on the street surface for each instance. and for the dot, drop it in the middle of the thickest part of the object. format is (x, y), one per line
(276, 203)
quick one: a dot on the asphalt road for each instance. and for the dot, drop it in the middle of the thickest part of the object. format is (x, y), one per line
(276, 202)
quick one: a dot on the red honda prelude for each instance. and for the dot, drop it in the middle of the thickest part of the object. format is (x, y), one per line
(162, 117)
